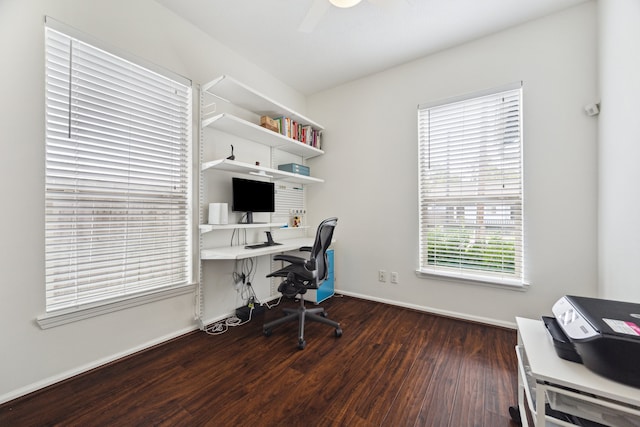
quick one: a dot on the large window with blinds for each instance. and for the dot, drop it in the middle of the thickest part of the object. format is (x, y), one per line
(117, 220)
(470, 187)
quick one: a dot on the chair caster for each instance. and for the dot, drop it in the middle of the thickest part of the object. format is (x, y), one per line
(338, 332)
(323, 313)
(514, 411)
(301, 344)
(267, 332)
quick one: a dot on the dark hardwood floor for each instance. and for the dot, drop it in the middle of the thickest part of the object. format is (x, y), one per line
(391, 367)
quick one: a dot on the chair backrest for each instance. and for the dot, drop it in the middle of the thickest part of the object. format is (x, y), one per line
(324, 235)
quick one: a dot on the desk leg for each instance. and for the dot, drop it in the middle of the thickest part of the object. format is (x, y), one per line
(540, 405)
(522, 397)
(522, 404)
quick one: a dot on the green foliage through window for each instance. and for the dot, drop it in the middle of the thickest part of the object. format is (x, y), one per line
(461, 249)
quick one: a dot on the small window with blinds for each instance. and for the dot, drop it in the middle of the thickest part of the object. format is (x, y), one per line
(470, 187)
(117, 220)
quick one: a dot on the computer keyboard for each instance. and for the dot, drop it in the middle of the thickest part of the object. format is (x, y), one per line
(261, 245)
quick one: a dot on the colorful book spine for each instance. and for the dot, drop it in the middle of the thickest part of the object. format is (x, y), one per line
(298, 132)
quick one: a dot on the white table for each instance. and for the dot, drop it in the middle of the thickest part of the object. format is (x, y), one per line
(543, 376)
(239, 252)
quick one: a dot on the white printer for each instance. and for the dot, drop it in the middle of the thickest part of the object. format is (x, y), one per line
(604, 333)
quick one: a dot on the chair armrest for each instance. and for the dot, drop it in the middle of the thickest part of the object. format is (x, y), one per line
(290, 259)
(305, 249)
(311, 265)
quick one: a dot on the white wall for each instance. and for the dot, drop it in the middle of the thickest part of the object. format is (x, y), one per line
(370, 167)
(30, 357)
(619, 150)
(370, 170)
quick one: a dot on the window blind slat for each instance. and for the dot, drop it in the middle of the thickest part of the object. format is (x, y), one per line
(117, 177)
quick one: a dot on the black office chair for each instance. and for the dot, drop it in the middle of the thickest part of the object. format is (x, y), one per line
(302, 274)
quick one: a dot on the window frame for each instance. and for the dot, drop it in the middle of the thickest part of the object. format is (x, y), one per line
(427, 222)
(137, 294)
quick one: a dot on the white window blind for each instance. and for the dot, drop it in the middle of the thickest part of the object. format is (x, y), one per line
(470, 188)
(117, 177)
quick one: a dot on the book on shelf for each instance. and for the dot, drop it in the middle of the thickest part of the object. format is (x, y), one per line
(285, 126)
(290, 128)
(316, 140)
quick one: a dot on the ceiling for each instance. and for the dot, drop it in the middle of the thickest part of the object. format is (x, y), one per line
(339, 45)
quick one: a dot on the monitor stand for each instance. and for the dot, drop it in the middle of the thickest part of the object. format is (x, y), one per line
(266, 244)
(269, 241)
(249, 219)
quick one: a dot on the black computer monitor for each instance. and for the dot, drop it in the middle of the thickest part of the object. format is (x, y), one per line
(252, 196)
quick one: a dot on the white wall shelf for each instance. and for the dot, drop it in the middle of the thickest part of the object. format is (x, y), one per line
(247, 168)
(283, 149)
(205, 228)
(231, 90)
(233, 125)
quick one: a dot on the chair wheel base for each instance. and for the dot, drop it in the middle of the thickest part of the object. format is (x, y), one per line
(514, 411)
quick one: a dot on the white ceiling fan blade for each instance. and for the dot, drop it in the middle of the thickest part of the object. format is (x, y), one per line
(316, 11)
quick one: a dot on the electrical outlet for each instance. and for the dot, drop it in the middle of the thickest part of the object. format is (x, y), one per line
(394, 277)
(382, 276)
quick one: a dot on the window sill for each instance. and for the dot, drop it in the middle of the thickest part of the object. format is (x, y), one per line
(511, 284)
(51, 320)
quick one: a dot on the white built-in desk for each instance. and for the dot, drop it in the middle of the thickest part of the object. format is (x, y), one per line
(239, 252)
(544, 377)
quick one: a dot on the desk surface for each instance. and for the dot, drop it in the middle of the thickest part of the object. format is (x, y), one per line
(547, 366)
(239, 252)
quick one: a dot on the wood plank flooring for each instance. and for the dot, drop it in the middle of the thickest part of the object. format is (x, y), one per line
(391, 367)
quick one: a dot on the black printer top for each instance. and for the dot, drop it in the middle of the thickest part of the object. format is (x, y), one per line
(609, 317)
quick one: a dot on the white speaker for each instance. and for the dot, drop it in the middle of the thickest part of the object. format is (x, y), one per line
(218, 213)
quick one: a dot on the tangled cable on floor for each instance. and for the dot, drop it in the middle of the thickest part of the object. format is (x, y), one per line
(223, 325)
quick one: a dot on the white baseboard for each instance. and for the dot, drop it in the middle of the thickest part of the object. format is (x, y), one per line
(447, 313)
(14, 394)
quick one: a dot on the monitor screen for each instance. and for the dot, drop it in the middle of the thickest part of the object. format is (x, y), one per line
(252, 196)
